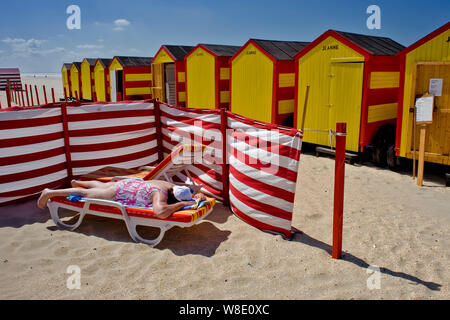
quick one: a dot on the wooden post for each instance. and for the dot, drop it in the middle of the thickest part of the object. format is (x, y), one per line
(159, 135)
(21, 92)
(423, 134)
(225, 169)
(65, 125)
(8, 94)
(16, 89)
(76, 96)
(414, 144)
(53, 95)
(28, 98)
(37, 95)
(45, 95)
(304, 109)
(11, 90)
(14, 92)
(31, 95)
(65, 95)
(19, 97)
(339, 183)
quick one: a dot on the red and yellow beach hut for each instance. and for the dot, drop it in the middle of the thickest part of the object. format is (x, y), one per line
(425, 62)
(87, 79)
(208, 76)
(169, 74)
(101, 80)
(75, 80)
(353, 78)
(65, 71)
(130, 78)
(263, 80)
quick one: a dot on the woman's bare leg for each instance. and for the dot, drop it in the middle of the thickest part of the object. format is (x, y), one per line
(90, 184)
(96, 193)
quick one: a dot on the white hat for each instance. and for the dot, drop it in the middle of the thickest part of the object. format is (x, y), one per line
(182, 193)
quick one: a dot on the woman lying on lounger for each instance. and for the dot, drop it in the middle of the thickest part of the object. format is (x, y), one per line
(166, 198)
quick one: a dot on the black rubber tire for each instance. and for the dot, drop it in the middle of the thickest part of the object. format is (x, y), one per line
(384, 138)
(379, 156)
(391, 158)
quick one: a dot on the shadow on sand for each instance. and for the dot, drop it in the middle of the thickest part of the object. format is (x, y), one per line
(348, 257)
(202, 239)
(20, 214)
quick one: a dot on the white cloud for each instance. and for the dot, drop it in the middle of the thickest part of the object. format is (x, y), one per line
(26, 48)
(89, 46)
(121, 24)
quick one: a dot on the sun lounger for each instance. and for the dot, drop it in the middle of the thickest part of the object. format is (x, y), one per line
(132, 216)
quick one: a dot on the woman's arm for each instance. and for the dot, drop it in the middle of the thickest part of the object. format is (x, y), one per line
(200, 196)
(163, 210)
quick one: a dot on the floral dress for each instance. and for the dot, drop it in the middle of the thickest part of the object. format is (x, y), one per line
(135, 192)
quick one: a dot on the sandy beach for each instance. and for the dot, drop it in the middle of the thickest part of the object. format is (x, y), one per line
(388, 222)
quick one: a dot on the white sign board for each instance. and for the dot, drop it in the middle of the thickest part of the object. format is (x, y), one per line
(424, 109)
(436, 87)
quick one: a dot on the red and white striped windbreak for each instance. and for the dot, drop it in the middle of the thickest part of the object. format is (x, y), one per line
(263, 165)
(42, 148)
(185, 126)
(32, 153)
(120, 135)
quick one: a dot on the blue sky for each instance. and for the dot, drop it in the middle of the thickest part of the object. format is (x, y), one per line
(34, 36)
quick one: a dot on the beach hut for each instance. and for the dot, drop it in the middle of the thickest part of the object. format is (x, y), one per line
(425, 68)
(130, 78)
(87, 79)
(263, 80)
(353, 78)
(208, 76)
(75, 80)
(65, 70)
(169, 74)
(101, 80)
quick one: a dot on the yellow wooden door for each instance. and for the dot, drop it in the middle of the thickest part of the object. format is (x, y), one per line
(346, 87)
(201, 80)
(100, 85)
(437, 147)
(158, 82)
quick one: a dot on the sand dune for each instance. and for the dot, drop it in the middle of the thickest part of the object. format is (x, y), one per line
(388, 222)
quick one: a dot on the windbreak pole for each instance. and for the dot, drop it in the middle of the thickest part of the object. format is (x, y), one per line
(339, 182)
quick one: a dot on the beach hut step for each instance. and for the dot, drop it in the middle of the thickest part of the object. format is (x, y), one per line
(350, 157)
